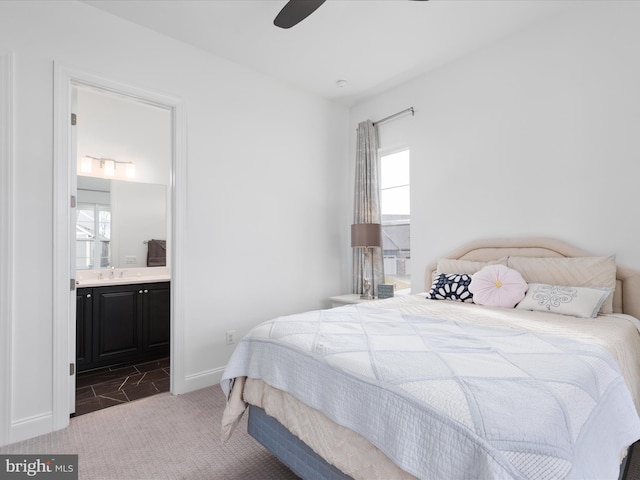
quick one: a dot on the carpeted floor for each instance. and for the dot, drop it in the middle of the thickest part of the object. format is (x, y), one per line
(160, 437)
(170, 437)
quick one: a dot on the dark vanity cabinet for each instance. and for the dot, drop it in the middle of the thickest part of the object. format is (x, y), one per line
(156, 319)
(84, 305)
(122, 323)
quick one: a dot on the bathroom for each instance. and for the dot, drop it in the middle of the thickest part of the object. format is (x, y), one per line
(123, 149)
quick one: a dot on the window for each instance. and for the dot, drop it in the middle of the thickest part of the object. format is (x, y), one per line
(396, 218)
(93, 236)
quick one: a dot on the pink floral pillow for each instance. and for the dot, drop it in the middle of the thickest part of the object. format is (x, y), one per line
(497, 286)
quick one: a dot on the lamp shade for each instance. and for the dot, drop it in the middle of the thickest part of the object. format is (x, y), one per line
(366, 235)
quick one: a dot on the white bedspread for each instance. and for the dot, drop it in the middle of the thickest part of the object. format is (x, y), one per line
(445, 396)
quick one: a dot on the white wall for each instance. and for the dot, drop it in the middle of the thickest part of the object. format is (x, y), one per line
(266, 181)
(536, 135)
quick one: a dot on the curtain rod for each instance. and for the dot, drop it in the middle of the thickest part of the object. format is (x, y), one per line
(410, 109)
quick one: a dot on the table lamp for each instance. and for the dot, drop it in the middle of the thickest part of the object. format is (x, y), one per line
(367, 236)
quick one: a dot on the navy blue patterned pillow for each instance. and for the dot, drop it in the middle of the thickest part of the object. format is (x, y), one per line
(451, 286)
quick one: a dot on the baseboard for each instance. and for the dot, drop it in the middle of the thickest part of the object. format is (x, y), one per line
(203, 379)
(31, 427)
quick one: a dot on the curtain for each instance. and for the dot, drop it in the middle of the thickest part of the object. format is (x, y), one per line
(366, 205)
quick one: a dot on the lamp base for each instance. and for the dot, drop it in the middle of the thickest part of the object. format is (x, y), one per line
(367, 286)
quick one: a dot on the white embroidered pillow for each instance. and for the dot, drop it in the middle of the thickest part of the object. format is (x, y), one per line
(575, 301)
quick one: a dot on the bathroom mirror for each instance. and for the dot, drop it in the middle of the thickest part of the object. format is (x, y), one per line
(116, 219)
(117, 214)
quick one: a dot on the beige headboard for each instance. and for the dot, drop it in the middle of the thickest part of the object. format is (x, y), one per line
(626, 297)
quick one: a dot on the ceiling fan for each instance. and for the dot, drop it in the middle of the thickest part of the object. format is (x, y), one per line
(297, 10)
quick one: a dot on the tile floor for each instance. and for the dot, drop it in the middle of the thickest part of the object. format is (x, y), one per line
(107, 387)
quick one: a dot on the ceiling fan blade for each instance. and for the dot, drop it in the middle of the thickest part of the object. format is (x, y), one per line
(295, 11)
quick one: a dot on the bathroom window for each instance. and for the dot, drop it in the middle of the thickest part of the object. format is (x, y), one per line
(395, 207)
(93, 236)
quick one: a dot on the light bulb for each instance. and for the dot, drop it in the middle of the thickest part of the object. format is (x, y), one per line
(109, 168)
(86, 165)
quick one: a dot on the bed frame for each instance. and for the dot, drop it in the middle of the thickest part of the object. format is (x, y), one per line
(308, 465)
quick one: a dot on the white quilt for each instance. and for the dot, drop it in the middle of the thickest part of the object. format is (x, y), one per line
(448, 398)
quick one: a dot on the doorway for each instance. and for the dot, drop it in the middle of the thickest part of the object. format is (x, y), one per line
(65, 164)
(123, 151)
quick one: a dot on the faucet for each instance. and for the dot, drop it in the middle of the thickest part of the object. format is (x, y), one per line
(122, 273)
(112, 272)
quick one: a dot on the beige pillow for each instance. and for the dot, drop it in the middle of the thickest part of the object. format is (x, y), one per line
(570, 272)
(451, 265)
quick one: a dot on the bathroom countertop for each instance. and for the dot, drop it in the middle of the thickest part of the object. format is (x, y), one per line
(121, 276)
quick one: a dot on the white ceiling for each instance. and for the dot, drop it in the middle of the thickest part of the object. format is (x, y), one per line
(373, 44)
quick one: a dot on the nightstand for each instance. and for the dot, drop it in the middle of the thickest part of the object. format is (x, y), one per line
(351, 298)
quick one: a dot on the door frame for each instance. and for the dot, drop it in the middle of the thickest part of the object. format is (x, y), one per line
(64, 346)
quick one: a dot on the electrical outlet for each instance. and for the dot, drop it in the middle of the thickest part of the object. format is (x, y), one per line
(231, 337)
(130, 260)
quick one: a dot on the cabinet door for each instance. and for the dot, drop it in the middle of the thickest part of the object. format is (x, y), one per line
(156, 317)
(117, 334)
(84, 306)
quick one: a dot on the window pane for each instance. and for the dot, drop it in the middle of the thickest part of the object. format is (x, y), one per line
(395, 201)
(85, 221)
(394, 169)
(396, 233)
(104, 222)
(93, 235)
(84, 254)
(105, 254)
(395, 205)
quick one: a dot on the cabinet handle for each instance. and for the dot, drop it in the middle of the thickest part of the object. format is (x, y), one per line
(146, 291)
(139, 291)
(88, 295)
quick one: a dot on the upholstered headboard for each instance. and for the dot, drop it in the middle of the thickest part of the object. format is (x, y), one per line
(626, 297)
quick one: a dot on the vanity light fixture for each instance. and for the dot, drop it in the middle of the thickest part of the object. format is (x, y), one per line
(106, 168)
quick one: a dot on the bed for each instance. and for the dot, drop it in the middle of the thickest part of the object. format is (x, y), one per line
(411, 387)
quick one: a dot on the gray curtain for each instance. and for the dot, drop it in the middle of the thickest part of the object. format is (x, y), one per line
(366, 205)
